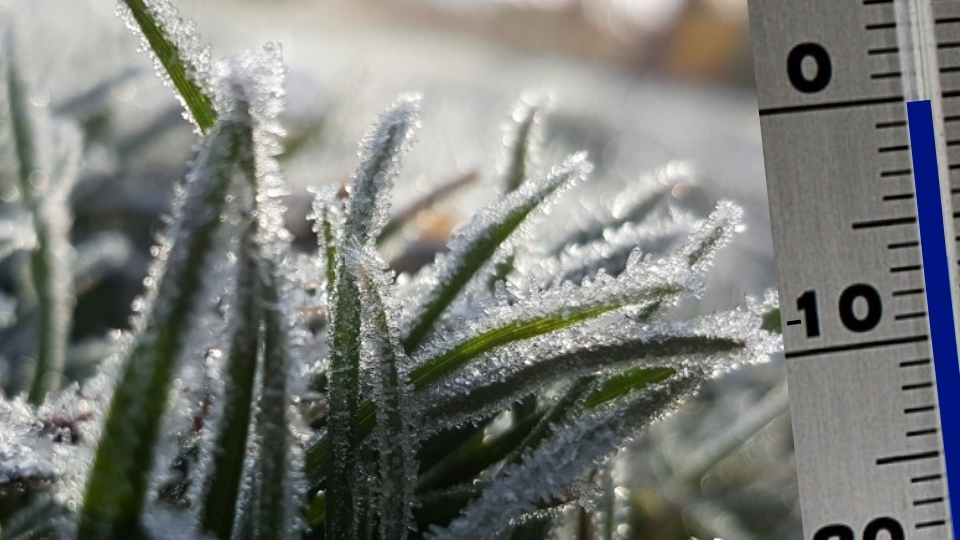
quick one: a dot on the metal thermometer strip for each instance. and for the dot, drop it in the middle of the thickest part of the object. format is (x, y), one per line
(948, 53)
(843, 264)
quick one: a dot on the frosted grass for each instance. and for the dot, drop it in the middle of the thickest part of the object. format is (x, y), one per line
(265, 393)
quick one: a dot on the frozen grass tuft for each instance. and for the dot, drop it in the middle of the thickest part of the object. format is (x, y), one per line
(321, 394)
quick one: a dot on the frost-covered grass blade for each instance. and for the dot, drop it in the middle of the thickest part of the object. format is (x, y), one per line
(47, 155)
(480, 240)
(231, 442)
(117, 488)
(174, 48)
(366, 213)
(391, 392)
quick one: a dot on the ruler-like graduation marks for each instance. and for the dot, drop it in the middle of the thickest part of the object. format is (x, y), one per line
(860, 117)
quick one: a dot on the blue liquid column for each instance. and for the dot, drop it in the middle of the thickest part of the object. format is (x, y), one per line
(936, 277)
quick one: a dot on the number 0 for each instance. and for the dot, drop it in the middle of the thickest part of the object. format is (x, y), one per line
(871, 318)
(795, 60)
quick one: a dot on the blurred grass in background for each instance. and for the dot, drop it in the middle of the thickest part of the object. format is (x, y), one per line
(639, 83)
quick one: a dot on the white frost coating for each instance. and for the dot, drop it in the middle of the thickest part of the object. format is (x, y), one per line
(643, 282)
(53, 443)
(386, 367)
(538, 194)
(556, 464)
(380, 153)
(572, 353)
(25, 454)
(166, 524)
(182, 33)
(328, 218)
(579, 261)
(713, 233)
(252, 84)
(647, 199)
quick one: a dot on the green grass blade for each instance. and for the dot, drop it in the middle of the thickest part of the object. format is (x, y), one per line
(529, 323)
(553, 466)
(475, 455)
(50, 267)
(327, 220)
(505, 332)
(176, 63)
(393, 433)
(486, 233)
(232, 440)
(365, 216)
(380, 162)
(622, 384)
(520, 144)
(564, 407)
(715, 232)
(273, 498)
(344, 399)
(580, 361)
(119, 479)
(47, 157)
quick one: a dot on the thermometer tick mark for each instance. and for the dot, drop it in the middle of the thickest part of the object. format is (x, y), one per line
(890, 222)
(914, 363)
(903, 458)
(927, 478)
(908, 268)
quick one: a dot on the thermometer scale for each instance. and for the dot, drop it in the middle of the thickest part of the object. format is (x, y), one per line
(860, 118)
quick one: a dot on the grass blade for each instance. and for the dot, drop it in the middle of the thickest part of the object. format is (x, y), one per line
(327, 219)
(380, 162)
(48, 156)
(486, 233)
(174, 51)
(232, 440)
(520, 140)
(553, 466)
(272, 512)
(394, 436)
(552, 311)
(118, 482)
(366, 214)
(581, 361)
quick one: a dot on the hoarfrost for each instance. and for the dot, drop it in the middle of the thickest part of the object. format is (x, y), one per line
(182, 35)
(430, 295)
(645, 283)
(388, 367)
(647, 199)
(381, 150)
(713, 344)
(555, 465)
(610, 253)
(327, 217)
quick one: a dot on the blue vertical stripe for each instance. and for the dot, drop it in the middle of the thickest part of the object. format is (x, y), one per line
(936, 277)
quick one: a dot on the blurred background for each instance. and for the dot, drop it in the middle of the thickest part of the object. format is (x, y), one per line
(654, 90)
